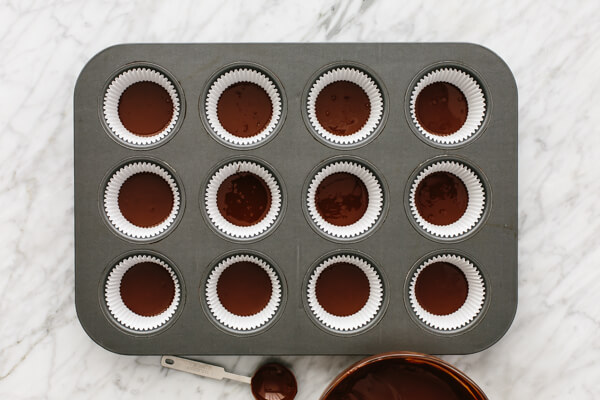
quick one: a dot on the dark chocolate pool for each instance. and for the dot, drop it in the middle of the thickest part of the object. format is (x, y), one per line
(244, 288)
(244, 199)
(342, 108)
(145, 108)
(441, 108)
(441, 198)
(341, 199)
(244, 109)
(441, 288)
(145, 199)
(147, 289)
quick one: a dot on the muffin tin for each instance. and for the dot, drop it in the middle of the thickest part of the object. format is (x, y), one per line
(392, 248)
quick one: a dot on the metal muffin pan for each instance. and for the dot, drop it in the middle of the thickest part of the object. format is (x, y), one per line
(396, 151)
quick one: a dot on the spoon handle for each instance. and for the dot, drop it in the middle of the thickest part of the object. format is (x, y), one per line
(198, 368)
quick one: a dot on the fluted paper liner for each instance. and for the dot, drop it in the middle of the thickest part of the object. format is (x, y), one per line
(475, 205)
(365, 314)
(372, 212)
(472, 305)
(215, 216)
(370, 88)
(111, 200)
(473, 94)
(113, 95)
(240, 322)
(230, 78)
(118, 309)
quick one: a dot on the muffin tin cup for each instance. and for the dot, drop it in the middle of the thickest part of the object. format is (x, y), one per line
(371, 89)
(475, 206)
(111, 201)
(229, 78)
(472, 306)
(219, 222)
(374, 209)
(476, 103)
(350, 323)
(238, 323)
(111, 105)
(117, 308)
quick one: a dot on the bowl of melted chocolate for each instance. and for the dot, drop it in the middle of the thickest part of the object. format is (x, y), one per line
(402, 376)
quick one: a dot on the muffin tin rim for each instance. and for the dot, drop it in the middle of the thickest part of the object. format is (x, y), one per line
(276, 176)
(384, 98)
(384, 302)
(178, 88)
(487, 190)
(477, 76)
(230, 67)
(104, 307)
(160, 163)
(252, 332)
(469, 326)
(384, 190)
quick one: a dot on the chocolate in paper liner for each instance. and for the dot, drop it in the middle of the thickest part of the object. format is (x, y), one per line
(240, 322)
(113, 95)
(371, 90)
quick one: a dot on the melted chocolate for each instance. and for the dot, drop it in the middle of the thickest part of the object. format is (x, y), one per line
(342, 199)
(147, 289)
(145, 108)
(244, 288)
(400, 379)
(342, 108)
(244, 199)
(441, 288)
(274, 381)
(145, 199)
(441, 108)
(441, 198)
(342, 289)
(244, 109)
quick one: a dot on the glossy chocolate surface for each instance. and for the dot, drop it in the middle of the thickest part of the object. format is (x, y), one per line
(341, 199)
(244, 109)
(244, 288)
(401, 379)
(145, 108)
(441, 108)
(147, 289)
(441, 288)
(244, 199)
(342, 108)
(441, 198)
(342, 289)
(145, 199)
(274, 382)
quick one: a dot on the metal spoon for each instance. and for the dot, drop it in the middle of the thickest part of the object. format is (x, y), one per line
(270, 382)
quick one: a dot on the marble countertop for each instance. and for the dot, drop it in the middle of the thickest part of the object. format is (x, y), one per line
(550, 352)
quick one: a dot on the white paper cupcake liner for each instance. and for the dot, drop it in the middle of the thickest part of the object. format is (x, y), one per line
(473, 94)
(240, 322)
(118, 309)
(113, 95)
(475, 205)
(372, 212)
(230, 78)
(472, 305)
(111, 200)
(367, 84)
(215, 216)
(358, 319)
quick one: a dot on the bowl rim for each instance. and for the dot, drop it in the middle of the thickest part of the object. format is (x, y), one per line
(458, 375)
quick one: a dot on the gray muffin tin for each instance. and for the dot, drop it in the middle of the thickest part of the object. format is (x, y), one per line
(395, 247)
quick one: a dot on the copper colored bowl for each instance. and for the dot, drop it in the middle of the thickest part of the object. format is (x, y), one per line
(412, 375)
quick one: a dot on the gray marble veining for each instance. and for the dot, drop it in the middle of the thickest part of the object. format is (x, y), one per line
(553, 48)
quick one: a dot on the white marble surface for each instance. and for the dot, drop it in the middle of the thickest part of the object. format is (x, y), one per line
(553, 347)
